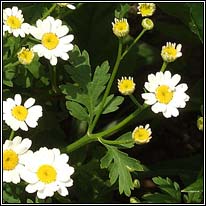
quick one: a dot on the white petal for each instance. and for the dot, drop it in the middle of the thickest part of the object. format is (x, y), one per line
(182, 87)
(17, 140)
(158, 107)
(29, 102)
(67, 39)
(53, 61)
(15, 177)
(24, 146)
(175, 80)
(23, 126)
(17, 99)
(64, 56)
(149, 97)
(31, 188)
(63, 191)
(29, 177)
(62, 31)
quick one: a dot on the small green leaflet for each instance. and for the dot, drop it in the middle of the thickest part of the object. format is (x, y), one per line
(120, 166)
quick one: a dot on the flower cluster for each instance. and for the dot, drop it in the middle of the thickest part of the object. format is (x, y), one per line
(47, 173)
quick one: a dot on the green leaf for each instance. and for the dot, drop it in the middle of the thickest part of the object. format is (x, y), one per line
(158, 198)
(193, 197)
(79, 69)
(34, 67)
(169, 188)
(112, 104)
(96, 87)
(127, 137)
(120, 166)
(196, 186)
(196, 24)
(77, 111)
(10, 194)
(120, 13)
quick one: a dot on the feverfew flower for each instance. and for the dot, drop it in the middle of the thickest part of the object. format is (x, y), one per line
(19, 116)
(25, 56)
(54, 39)
(142, 135)
(13, 22)
(70, 6)
(164, 94)
(170, 52)
(47, 173)
(126, 85)
(146, 9)
(14, 153)
(147, 24)
(120, 27)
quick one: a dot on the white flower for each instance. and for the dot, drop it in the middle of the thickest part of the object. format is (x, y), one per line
(54, 41)
(146, 9)
(14, 155)
(164, 94)
(70, 6)
(126, 86)
(169, 53)
(47, 173)
(19, 116)
(13, 22)
(142, 135)
(120, 27)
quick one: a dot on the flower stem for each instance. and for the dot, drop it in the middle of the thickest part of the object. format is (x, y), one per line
(79, 143)
(164, 65)
(114, 142)
(47, 13)
(109, 85)
(132, 97)
(133, 43)
(11, 135)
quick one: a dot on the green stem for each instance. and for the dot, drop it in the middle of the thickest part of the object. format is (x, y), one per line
(122, 123)
(12, 64)
(49, 11)
(133, 43)
(164, 65)
(79, 143)
(132, 97)
(114, 142)
(109, 85)
(36, 40)
(11, 135)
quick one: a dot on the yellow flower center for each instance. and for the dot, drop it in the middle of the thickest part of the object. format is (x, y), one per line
(20, 112)
(25, 56)
(13, 22)
(10, 160)
(164, 94)
(146, 10)
(170, 51)
(50, 40)
(46, 174)
(141, 135)
(120, 26)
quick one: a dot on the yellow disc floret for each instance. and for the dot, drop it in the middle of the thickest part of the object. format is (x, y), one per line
(19, 112)
(25, 56)
(13, 22)
(46, 173)
(120, 27)
(146, 9)
(10, 160)
(126, 85)
(164, 94)
(50, 40)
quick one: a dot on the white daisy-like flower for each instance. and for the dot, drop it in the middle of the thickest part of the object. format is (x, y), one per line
(120, 27)
(170, 52)
(54, 39)
(68, 5)
(14, 155)
(146, 9)
(126, 85)
(25, 56)
(164, 94)
(19, 116)
(142, 135)
(47, 173)
(13, 22)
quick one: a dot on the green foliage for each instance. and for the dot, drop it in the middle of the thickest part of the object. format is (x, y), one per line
(122, 11)
(120, 166)
(170, 192)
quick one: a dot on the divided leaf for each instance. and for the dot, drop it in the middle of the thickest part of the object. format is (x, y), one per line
(120, 166)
